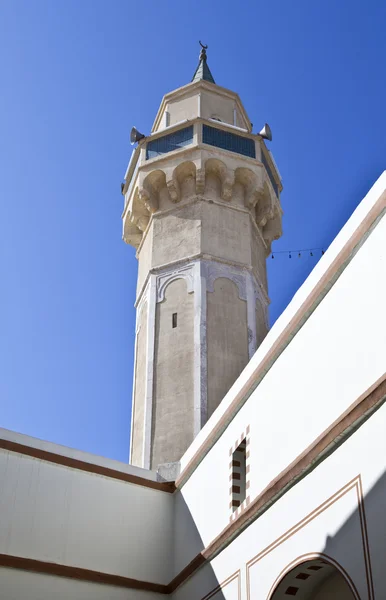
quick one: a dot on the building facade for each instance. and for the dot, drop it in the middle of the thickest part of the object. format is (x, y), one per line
(280, 494)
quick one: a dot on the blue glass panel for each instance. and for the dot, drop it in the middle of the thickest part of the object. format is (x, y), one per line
(167, 143)
(270, 174)
(228, 141)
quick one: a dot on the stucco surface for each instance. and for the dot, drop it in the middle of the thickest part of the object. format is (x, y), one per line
(227, 338)
(176, 235)
(183, 108)
(172, 430)
(215, 106)
(136, 457)
(226, 233)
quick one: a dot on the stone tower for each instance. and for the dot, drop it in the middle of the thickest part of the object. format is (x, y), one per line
(201, 208)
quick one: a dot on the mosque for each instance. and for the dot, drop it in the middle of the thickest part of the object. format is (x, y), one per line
(257, 459)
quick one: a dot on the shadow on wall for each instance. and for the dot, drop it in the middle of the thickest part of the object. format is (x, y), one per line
(361, 540)
(321, 577)
(370, 516)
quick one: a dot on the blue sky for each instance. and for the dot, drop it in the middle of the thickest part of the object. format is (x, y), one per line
(75, 76)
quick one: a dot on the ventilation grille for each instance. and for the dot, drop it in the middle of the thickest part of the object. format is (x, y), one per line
(228, 141)
(168, 143)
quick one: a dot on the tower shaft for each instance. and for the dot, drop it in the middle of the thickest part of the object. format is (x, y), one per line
(202, 208)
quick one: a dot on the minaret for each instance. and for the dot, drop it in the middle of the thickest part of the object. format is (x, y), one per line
(202, 208)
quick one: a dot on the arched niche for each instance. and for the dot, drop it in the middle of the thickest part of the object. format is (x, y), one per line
(185, 175)
(314, 577)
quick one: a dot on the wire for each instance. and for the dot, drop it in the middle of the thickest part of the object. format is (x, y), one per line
(311, 252)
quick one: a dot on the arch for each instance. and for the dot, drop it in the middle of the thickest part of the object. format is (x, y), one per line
(153, 183)
(163, 280)
(139, 215)
(307, 574)
(215, 271)
(184, 170)
(264, 207)
(250, 183)
(182, 181)
(214, 166)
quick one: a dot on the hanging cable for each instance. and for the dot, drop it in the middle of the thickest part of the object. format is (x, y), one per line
(302, 251)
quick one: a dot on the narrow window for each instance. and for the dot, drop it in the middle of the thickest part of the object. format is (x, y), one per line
(174, 320)
(239, 474)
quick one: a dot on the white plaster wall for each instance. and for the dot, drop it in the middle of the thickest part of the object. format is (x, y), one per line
(337, 355)
(58, 514)
(335, 529)
(21, 585)
(299, 298)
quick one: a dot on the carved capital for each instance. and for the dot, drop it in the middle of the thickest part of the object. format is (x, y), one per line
(227, 183)
(200, 181)
(148, 199)
(264, 210)
(174, 190)
(142, 222)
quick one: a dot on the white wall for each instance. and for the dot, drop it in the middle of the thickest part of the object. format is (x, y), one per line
(334, 358)
(334, 530)
(20, 585)
(59, 514)
(26, 440)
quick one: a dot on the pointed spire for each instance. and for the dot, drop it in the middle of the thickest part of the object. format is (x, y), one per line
(203, 72)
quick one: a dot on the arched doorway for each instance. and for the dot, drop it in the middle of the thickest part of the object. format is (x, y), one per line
(314, 578)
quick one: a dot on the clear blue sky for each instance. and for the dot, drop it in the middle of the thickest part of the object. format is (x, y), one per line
(75, 76)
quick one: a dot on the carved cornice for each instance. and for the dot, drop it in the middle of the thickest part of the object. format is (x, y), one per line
(258, 192)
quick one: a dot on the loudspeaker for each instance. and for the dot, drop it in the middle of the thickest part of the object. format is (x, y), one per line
(135, 136)
(266, 132)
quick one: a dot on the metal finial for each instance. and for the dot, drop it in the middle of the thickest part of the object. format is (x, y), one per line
(203, 51)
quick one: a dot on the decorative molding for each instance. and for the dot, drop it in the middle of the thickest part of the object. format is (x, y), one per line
(79, 573)
(143, 300)
(252, 294)
(140, 306)
(205, 257)
(354, 484)
(185, 271)
(214, 270)
(150, 347)
(82, 465)
(306, 559)
(222, 585)
(200, 349)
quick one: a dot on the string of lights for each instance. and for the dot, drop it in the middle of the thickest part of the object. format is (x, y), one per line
(299, 253)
